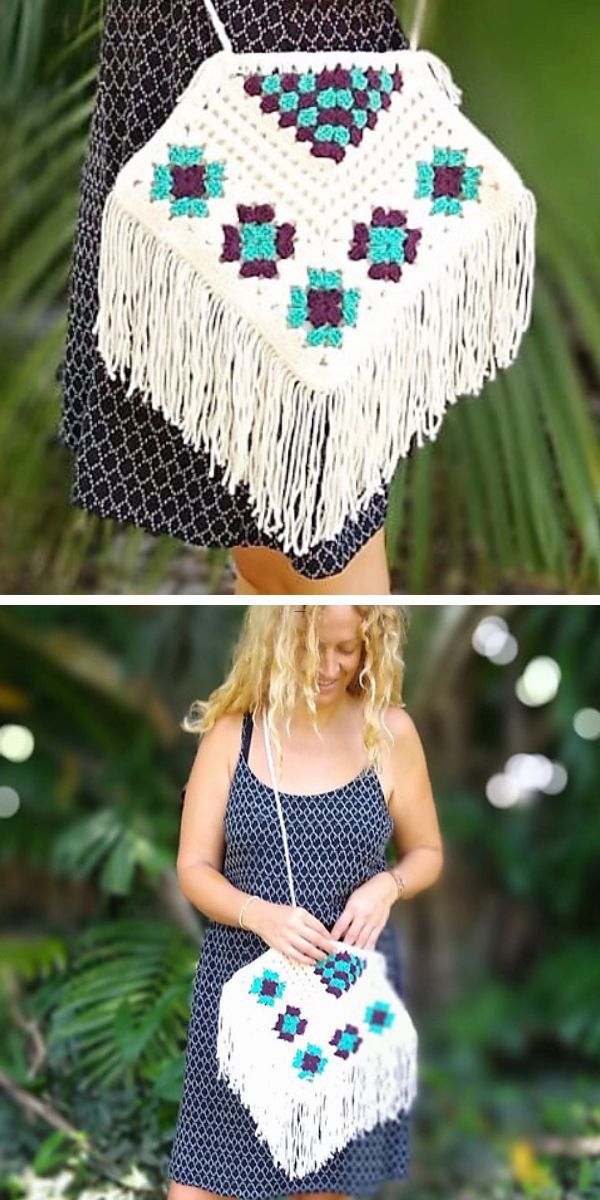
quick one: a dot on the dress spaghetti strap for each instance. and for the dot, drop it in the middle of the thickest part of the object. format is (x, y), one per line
(247, 727)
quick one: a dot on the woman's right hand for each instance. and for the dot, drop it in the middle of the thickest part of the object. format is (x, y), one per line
(292, 931)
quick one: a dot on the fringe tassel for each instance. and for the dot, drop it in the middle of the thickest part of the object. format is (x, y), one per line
(300, 1132)
(215, 377)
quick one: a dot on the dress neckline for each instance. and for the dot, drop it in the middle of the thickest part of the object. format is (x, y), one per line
(366, 770)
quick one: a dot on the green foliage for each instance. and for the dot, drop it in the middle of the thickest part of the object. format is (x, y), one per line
(105, 695)
(555, 1006)
(118, 1012)
(511, 486)
(113, 1016)
(560, 998)
(104, 839)
(543, 854)
(122, 1158)
(29, 957)
(485, 1131)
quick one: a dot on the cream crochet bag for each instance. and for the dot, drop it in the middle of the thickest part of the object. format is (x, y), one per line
(312, 257)
(317, 1054)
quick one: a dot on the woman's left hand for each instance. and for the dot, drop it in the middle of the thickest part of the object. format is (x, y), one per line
(366, 912)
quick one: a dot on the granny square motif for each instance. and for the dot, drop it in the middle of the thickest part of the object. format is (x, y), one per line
(330, 109)
(313, 257)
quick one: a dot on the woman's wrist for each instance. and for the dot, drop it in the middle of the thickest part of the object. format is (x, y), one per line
(251, 912)
(398, 882)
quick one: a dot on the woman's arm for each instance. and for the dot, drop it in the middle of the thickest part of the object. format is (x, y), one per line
(416, 835)
(417, 838)
(202, 833)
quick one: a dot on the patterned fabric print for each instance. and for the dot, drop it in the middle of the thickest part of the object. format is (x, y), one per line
(326, 305)
(331, 109)
(387, 242)
(336, 841)
(257, 242)
(187, 181)
(129, 463)
(448, 181)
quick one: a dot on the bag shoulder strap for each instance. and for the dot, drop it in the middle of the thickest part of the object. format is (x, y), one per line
(416, 30)
(218, 25)
(278, 803)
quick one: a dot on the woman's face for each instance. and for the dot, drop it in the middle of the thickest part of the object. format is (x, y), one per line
(340, 651)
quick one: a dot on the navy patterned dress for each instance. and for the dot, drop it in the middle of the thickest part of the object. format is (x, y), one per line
(337, 840)
(130, 463)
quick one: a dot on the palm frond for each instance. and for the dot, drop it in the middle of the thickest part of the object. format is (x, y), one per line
(122, 1008)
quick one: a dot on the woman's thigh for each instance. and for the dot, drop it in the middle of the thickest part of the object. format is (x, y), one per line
(270, 573)
(320, 1196)
(182, 1191)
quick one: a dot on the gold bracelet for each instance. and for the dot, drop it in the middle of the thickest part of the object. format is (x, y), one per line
(243, 909)
(399, 881)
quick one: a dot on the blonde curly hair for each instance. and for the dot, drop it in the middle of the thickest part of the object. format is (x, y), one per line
(275, 663)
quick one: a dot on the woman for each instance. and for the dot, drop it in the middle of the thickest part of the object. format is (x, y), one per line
(352, 773)
(130, 463)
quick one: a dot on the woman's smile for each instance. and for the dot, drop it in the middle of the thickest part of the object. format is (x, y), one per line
(326, 685)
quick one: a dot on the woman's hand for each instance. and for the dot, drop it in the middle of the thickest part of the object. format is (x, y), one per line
(292, 931)
(366, 912)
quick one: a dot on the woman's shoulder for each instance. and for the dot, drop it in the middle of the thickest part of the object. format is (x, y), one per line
(398, 720)
(220, 744)
(403, 735)
(226, 731)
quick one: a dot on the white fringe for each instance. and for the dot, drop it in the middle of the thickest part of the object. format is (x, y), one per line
(214, 376)
(304, 1122)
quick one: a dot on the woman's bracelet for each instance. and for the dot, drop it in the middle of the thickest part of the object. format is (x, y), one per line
(398, 880)
(243, 909)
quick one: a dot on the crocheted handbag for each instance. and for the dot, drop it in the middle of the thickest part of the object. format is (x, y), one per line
(317, 1054)
(312, 257)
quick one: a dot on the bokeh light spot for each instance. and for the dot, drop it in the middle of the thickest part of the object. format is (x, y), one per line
(16, 742)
